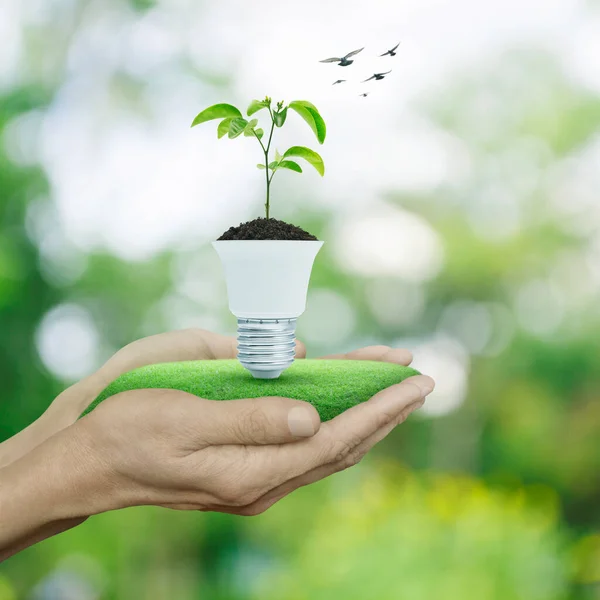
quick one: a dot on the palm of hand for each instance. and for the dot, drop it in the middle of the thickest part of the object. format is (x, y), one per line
(237, 456)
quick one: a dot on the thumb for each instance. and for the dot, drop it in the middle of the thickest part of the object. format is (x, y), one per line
(257, 421)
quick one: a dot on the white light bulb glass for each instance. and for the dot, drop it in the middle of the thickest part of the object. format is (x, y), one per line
(267, 282)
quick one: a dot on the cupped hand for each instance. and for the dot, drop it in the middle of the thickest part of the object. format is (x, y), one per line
(174, 346)
(172, 449)
(169, 448)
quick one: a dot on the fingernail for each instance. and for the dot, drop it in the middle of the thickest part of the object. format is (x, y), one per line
(424, 383)
(300, 422)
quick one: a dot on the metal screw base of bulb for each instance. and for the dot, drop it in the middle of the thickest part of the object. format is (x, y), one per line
(266, 347)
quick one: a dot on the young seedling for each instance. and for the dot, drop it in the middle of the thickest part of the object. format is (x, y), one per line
(233, 124)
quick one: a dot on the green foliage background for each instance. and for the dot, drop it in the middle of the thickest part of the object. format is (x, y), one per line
(499, 499)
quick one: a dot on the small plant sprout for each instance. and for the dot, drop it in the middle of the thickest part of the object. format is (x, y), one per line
(233, 124)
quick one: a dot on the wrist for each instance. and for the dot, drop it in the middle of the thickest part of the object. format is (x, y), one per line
(63, 412)
(59, 479)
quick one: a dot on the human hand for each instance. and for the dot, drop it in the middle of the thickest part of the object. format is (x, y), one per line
(168, 448)
(187, 344)
(172, 449)
(173, 346)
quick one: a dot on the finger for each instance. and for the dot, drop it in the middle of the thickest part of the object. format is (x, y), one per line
(379, 353)
(383, 432)
(300, 349)
(174, 346)
(341, 442)
(256, 421)
(186, 344)
(400, 356)
(323, 471)
(222, 347)
(337, 439)
(367, 353)
(347, 431)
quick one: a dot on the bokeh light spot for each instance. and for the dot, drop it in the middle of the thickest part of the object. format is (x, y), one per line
(448, 363)
(393, 242)
(67, 342)
(329, 318)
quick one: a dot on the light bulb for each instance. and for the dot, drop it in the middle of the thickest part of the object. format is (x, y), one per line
(267, 282)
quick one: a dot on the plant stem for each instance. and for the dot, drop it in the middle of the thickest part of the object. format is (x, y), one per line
(268, 185)
(266, 152)
(267, 203)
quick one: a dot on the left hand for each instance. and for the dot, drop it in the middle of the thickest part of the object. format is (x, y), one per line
(187, 344)
(64, 472)
(174, 346)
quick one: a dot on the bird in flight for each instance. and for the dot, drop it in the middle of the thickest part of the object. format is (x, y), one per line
(364, 94)
(391, 52)
(338, 81)
(377, 76)
(343, 62)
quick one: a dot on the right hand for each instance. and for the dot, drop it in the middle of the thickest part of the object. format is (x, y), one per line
(172, 449)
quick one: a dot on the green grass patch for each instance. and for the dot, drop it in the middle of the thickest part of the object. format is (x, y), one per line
(331, 386)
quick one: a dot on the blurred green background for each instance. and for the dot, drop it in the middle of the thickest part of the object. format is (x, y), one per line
(461, 213)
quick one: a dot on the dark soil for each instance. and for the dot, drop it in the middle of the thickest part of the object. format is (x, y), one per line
(267, 229)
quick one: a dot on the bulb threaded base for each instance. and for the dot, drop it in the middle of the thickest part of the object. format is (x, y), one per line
(266, 347)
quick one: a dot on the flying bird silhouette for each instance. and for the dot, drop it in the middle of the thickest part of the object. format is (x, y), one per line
(364, 95)
(338, 81)
(377, 76)
(343, 62)
(391, 52)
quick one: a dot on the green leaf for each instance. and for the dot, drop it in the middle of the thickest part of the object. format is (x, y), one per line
(311, 115)
(216, 111)
(278, 156)
(223, 128)
(236, 127)
(261, 166)
(257, 105)
(254, 132)
(279, 117)
(310, 156)
(307, 104)
(273, 165)
(249, 129)
(291, 165)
